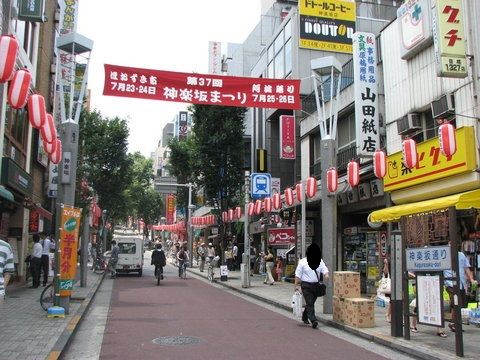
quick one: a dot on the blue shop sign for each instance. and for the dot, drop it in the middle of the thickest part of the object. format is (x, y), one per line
(430, 258)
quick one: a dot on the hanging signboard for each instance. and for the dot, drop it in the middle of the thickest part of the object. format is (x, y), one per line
(366, 93)
(170, 208)
(201, 89)
(31, 10)
(214, 57)
(69, 226)
(429, 258)
(182, 124)
(287, 137)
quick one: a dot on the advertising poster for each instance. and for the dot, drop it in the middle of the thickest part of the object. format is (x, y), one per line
(429, 300)
(69, 229)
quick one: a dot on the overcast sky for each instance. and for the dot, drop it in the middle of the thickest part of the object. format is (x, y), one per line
(170, 35)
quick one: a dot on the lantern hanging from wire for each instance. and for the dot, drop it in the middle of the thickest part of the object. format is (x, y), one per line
(48, 131)
(298, 192)
(353, 173)
(379, 163)
(37, 113)
(311, 185)
(276, 201)
(258, 206)
(230, 214)
(8, 57)
(56, 156)
(332, 180)
(18, 89)
(267, 204)
(446, 137)
(49, 147)
(251, 208)
(289, 196)
(238, 212)
(409, 150)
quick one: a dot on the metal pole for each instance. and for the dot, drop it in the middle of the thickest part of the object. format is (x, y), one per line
(84, 251)
(304, 218)
(246, 239)
(189, 224)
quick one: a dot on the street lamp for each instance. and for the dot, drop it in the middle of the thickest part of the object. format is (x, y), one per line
(327, 69)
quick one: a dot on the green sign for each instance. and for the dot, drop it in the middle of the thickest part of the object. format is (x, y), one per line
(70, 225)
(31, 10)
(66, 284)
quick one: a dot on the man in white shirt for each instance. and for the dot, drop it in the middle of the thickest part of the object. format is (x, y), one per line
(36, 261)
(6, 267)
(235, 256)
(47, 245)
(310, 270)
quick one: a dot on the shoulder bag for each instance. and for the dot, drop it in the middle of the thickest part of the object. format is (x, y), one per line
(320, 287)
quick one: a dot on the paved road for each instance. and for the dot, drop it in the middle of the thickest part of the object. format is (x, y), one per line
(192, 319)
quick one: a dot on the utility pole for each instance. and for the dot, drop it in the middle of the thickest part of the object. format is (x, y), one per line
(246, 240)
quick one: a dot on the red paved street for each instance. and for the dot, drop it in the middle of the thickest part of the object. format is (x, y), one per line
(224, 326)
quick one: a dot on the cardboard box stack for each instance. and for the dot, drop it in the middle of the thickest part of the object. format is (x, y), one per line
(348, 306)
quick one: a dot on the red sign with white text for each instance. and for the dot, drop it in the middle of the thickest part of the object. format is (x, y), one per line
(281, 236)
(201, 89)
(170, 208)
(287, 137)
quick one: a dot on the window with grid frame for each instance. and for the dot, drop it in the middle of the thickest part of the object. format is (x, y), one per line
(16, 128)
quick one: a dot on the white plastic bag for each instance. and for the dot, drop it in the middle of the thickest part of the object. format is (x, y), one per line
(297, 304)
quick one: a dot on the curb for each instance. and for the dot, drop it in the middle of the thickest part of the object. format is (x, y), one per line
(381, 340)
(67, 334)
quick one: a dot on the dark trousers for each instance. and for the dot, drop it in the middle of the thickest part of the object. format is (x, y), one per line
(35, 265)
(310, 296)
(45, 268)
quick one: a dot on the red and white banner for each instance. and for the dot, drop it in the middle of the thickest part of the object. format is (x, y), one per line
(201, 89)
(170, 208)
(287, 137)
(281, 236)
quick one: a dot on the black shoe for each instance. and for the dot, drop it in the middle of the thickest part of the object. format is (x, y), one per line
(161, 277)
(306, 322)
(315, 324)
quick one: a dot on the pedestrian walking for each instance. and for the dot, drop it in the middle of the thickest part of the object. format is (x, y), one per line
(6, 267)
(235, 256)
(210, 252)
(202, 252)
(112, 263)
(47, 245)
(253, 259)
(310, 271)
(279, 268)
(269, 264)
(36, 261)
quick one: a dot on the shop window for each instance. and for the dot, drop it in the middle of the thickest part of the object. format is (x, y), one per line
(16, 126)
(429, 127)
(25, 31)
(346, 131)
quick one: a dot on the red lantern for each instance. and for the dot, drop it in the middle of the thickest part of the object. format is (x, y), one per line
(230, 214)
(332, 180)
(267, 204)
(18, 88)
(238, 212)
(277, 201)
(298, 192)
(288, 196)
(409, 153)
(251, 208)
(49, 147)
(56, 156)
(446, 137)
(37, 114)
(379, 164)
(311, 189)
(353, 173)
(258, 207)
(48, 131)
(8, 57)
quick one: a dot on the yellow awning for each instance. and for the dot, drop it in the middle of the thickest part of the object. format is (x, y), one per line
(462, 201)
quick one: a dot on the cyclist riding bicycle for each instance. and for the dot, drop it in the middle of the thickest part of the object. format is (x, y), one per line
(158, 259)
(182, 257)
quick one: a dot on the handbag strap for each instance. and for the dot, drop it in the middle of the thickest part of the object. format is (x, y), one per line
(320, 281)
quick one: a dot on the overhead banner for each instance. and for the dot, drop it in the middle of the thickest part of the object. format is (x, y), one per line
(201, 89)
(287, 137)
(366, 94)
(69, 229)
(327, 25)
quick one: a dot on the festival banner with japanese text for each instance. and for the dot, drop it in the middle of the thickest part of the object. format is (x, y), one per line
(201, 89)
(69, 229)
(287, 137)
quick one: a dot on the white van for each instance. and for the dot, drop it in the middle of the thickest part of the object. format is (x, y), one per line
(130, 256)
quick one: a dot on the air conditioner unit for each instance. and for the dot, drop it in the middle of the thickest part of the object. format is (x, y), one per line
(443, 107)
(409, 123)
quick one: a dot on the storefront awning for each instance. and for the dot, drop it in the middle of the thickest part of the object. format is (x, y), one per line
(462, 201)
(5, 194)
(44, 212)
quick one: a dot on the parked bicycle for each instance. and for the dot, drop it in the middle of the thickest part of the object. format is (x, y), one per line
(211, 264)
(47, 297)
(100, 264)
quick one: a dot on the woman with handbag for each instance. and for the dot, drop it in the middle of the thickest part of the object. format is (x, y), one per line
(386, 273)
(309, 276)
(269, 263)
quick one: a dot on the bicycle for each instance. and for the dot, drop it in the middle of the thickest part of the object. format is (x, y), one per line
(158, 275)
(99, 265)
(183, 270)
(47, 297)
(211, 266)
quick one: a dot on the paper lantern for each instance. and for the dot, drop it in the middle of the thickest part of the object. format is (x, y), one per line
(311, 185)
(409, 147)
(49, 147)
(267, 204)
(37, 113)
(56, 156)
(251, 208)
(258, 207)
(379, 164)
(18, 89)
(332, 180)
(8, 57)
(238, 212)
(288, 196)
(353, 173)
(298, 192)
(446, 137)
(48, 131)
(230, 214)
(277, 201)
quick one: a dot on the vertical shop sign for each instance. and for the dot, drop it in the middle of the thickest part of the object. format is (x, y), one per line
(287, 137)
(52, 180)
(214, 57)
(366, 91)
(327, 25)
(69, 226)
(449, 38)
(182, 124)
(67, 163)
(33, 222)
(170, 208)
